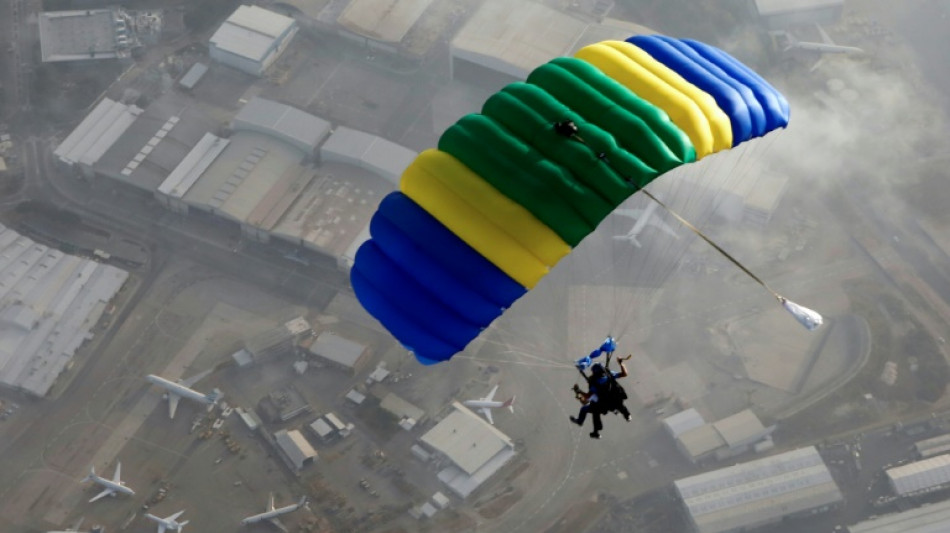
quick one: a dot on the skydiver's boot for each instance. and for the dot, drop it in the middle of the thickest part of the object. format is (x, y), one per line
(577, 421)
(595, 435)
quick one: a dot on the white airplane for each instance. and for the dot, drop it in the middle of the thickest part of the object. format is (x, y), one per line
(176, 391)
(486, 404)
(644, 218)
(112, 486)
(169, 523)
(826, 46)
(271, 514)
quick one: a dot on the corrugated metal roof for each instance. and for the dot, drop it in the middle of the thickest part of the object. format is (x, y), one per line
(516, 37)
(928, 446)
(701, 440)
(251, 32)
(180, 181)
(101, 128)
(260, 20)
(467, 439)
(334, 348)
(193, 76)
(683, 421)
(759, 491)
(321, 428)
(77, 35)
(932, 518)
(384, 20)
(49, 301)
(920, 475)
(285, 122)
(375, 154)
(740, 428)
(295, 446)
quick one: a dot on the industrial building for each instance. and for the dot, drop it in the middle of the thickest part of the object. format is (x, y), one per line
(785, 14)
(382, 20)
(251, 39)
(931, 518)
(49, 304)
(934, 446)
(90, 34)
(295, 447)
(467, 449)
(920, 477)
(731, 436)
(758, 493)
(345, 354)
(329, 427)
(503, 41)
(279, 340)
(98, 131)
(282, 405)
(407, 414)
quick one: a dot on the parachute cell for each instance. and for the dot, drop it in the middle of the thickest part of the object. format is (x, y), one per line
(510, 191)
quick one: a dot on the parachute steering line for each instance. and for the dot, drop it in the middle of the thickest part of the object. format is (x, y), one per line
(808, 318)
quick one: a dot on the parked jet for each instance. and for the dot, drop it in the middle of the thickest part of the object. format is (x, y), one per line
(169, 523)
(644, 218)
(486, 404)
(271, 514)
(178, 390)
(112, 486)
(826, 46)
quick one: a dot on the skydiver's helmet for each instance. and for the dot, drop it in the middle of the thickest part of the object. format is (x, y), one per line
(597, 369)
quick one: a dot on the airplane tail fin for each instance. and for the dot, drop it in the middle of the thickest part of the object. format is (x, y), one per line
(213, 396)
(302, 502)
(181, 525)
(92, 474)
(510, 404)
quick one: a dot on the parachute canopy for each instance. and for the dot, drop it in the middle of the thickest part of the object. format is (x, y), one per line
(510, 191)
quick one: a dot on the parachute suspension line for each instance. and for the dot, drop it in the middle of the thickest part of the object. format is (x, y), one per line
(806, 317)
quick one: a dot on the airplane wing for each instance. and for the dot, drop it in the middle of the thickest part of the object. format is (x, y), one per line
(276, 523)
(491, 394)
(117, 477)
(174, 516)
(172, 403)
(487, 412)
(101, 495)
(161, 528)
(270, 503)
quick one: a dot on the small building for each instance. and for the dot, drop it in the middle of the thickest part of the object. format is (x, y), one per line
(295, 448)
(282, 405)
(683, 421)
(470, 450)
(193, 76)
(930, 518)
(277, 341)
(355, 396)
(407, 414)
(726, 438)
(920, 477)
(321, 429)
(758, 493)
(251, 39)
(340, 352)
(249, 418)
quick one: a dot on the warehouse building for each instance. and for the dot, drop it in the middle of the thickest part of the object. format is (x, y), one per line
(503, 41)
(934, 446)
(342, 353)
(785, 14)
(920, 477)
(83, 35)
(295, 448)
(101, 128)
(758, 493)
(251, 39)
(468, 450)
(49, 304)
(731, 436)
(932, 518)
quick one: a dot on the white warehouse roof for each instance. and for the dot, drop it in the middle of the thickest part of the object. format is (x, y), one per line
(758, 492)
(180, 181)
(466, 439)
(78, 35)
(515, 37)
(101, 128)
(683, 421)
(385, 20)
(295, 446)
(287, 123)
(934, 518)
(250, 32)
(49, 302)
(920, 475)
(375, 154)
